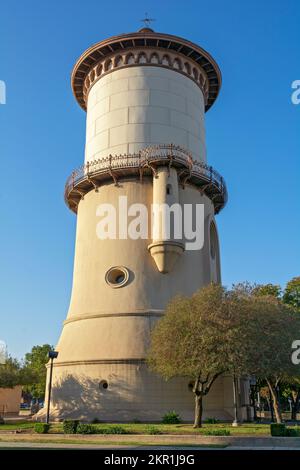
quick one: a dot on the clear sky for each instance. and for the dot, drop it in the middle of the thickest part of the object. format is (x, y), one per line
(252, 140)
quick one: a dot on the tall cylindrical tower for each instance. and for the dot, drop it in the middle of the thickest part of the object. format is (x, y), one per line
(145, 94)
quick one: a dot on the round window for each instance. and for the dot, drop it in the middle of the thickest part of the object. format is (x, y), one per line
(103, 385)
(117, 276)
(120, 278)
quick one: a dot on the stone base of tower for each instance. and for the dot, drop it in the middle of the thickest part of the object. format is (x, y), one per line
(132, 393)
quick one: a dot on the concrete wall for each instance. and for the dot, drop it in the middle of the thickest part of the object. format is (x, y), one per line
(107, 331)
(110, 318)
(135, 107)
(147, 289)
(133, 393)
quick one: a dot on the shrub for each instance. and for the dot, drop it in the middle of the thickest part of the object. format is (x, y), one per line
(116, 430)
(101, 430)
(297, 429)
(95, 421)
(215, 432)
(211, 421)
(70, 426)
(171, 418)
(278, 429)
(291, 432)
(152, 430)
(41, 428)
(109, 430)
(84, 428)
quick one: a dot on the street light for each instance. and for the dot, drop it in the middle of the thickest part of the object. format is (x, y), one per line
(3, 357)
(253, 388)
(234, 383)
(52, 355)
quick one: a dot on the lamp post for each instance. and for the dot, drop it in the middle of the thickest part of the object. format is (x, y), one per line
(290, 403)
(52, 355)
(253, 386)
(235, 421)
(271, 408)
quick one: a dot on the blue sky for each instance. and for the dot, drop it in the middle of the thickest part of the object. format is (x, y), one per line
(252, 140)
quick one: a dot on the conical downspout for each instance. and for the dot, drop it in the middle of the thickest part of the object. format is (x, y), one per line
(167, 245)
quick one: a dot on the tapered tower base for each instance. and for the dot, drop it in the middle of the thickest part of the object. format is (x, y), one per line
(132, 393)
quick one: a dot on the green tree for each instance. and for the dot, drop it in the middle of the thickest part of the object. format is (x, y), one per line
(291, 295)
(10, 373)
(35, 366)
(267, 330)
(216, 331)
(193, 340)
(291, 390)
(13, 373)
(273, 290)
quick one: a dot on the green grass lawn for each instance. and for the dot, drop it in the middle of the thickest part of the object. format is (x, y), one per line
(139, 428)
(15, 426)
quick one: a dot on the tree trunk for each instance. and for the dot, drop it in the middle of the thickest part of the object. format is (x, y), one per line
(276, 404)
(294, 411)
(295, 405)
(271, 409)
(198, 411)
(277, 410)
(253, 403)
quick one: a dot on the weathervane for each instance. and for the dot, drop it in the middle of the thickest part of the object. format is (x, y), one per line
(147, 21)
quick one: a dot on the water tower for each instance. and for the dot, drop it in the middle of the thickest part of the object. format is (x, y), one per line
(145, 94)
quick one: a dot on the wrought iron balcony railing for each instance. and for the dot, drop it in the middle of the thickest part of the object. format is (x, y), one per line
(93, 174)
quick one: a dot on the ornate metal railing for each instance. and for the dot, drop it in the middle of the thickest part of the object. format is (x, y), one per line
(118, 165)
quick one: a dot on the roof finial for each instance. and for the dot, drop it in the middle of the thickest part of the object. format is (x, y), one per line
(147, 21)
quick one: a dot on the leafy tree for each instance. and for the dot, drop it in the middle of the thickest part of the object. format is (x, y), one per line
(193, 340)
(265, 396)
(10, 373)
(273, 290)
(216, 331)
(35, 365)
(13, 373)
(276, 363)
(267, 330)
(291, 389)
(291, 295)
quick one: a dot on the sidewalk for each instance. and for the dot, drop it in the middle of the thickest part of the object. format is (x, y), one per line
(134, 440)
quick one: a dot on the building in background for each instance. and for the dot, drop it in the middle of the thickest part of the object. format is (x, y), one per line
(10, 400)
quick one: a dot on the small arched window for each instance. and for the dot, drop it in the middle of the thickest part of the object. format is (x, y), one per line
(118, 61)
(213, 240)
(177, 64)
(169, 189)
(130, 59)
(195, 73)
(187, 68)
(99, 70)
(154, 59)
(142, 58)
